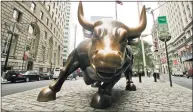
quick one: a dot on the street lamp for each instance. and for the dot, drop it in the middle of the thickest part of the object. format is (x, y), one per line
(12, 32)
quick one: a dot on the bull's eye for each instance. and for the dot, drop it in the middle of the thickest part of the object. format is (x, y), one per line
(97, 32)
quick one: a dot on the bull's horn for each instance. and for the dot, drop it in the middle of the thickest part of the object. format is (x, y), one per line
(85, 24)
(136, 32)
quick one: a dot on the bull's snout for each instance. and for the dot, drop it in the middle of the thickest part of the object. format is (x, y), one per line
(107, 60)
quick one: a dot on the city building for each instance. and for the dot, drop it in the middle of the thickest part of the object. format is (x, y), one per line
(38, 34)
(179, 18)
(73, 37)
(67, 30)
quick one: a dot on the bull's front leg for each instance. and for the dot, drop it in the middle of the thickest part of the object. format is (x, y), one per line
(49, 93)
(101, 99)
(129, 84)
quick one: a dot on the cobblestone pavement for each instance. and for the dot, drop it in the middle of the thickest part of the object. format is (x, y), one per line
(76, 96)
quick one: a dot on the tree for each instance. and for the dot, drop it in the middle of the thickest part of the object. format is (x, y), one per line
(138, 56)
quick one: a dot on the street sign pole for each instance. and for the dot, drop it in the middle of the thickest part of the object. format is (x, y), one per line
(168, 63)
(164, 36)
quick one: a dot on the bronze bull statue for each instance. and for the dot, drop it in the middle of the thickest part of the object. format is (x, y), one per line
(102, 58)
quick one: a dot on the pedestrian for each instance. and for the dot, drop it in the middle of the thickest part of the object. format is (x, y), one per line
(74, 75)
(78, 72)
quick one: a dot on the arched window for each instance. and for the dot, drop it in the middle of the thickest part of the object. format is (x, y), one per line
(31, 41)
(31, 29)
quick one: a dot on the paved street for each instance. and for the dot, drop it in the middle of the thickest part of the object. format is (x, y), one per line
(11, 88)
(182, 81)
(76, 96)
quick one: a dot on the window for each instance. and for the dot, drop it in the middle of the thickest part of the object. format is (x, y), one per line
(43, 54)
(41, 15)
(51, 26)
(31, 29)
(52, 14)
(54, 5)
(33, 6)
(16, 15)
(47, 21)
(45, 35)
(56, 11)
(54, 30)
(55, 20)
(48, 8)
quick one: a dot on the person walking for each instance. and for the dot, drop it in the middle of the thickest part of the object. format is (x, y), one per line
(73, 75)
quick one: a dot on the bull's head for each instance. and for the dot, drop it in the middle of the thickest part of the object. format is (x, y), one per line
(109, 40)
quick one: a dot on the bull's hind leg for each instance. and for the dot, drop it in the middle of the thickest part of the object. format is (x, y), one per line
(101, 99)
(129, 84)
(71, 65)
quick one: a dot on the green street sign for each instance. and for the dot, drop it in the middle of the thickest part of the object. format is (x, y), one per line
(162, 20)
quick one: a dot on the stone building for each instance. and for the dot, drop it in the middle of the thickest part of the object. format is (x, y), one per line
(179, 18)
(38, 34)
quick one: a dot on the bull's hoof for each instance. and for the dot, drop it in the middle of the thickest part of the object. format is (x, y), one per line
(101, 101)
(130, 87)
(46, 95)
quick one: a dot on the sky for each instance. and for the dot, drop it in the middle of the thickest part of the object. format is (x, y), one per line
(126, 13)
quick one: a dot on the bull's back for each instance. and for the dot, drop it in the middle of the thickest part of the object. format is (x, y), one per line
(82, 52)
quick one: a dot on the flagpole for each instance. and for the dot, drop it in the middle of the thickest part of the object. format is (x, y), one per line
(115, 10)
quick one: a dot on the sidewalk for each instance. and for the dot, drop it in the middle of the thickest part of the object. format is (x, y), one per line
(76, 96)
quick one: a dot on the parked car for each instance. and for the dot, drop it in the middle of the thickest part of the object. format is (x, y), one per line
(56, 73)
(178, 73)
(25, 76)
(189, 73)
(11, 73)
(46, 75)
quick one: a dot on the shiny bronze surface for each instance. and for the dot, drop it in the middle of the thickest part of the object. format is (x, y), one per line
(102, 58)
(46, 95)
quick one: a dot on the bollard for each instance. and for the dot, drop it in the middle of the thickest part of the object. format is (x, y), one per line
(155, 77)
(139, 77)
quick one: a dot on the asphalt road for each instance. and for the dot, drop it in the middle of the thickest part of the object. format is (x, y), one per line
(11, 88)
(182, 81)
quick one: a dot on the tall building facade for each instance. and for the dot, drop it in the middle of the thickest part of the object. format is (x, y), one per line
(67, 34)
(179, 18)
(38, 34)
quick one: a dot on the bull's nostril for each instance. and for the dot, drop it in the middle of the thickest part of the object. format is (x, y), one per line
(96, 51)
(119, 53)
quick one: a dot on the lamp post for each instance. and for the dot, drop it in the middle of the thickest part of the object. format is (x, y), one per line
(8, 52)
(7, 56)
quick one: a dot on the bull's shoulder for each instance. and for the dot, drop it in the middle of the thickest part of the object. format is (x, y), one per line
(82, 52)
(84, 46)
